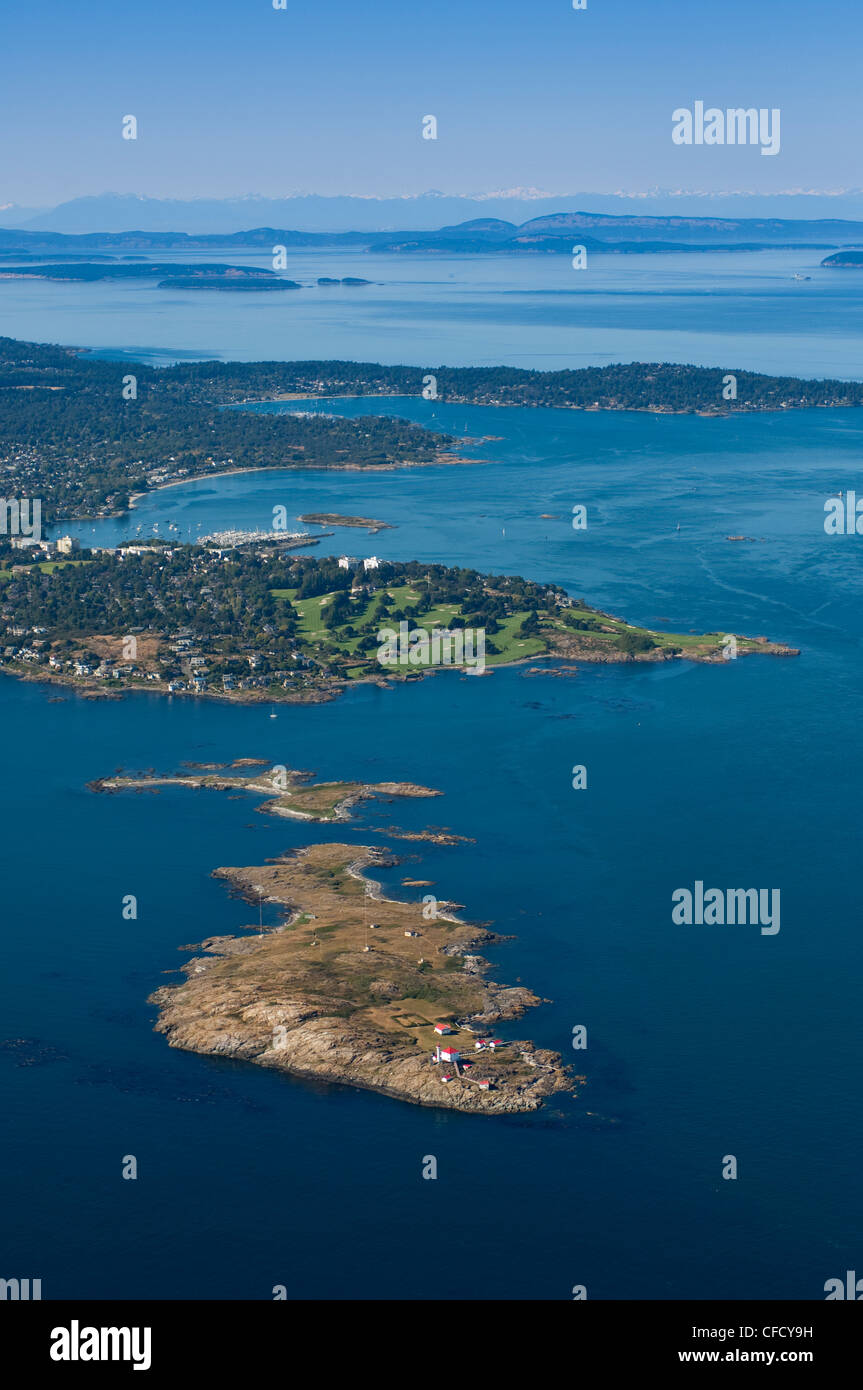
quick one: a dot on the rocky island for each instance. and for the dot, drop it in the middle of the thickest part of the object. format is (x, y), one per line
(352, 986)
(359, 989)
(288, 793)
(336, 519)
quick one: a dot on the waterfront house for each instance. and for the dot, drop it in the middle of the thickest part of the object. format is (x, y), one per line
(449, 1054)
(442, 1028)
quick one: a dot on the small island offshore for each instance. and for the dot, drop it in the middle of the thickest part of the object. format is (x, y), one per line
(351, 987)
(170, 275)
(336, 519)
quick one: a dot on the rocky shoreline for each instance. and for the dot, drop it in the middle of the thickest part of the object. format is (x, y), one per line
(351, 986)
(335, 996)
(581, 647)
(289, 792)
(570, 647)
(336, 519)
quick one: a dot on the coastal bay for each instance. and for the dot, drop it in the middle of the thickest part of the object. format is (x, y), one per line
(556, 871)
(688, 764)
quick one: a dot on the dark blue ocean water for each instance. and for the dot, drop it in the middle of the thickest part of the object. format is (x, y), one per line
(703, 1042)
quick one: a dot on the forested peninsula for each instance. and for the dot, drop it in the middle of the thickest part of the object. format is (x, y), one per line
(84, 435)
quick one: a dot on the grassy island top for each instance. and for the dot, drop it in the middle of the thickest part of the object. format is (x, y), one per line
(254, 623)
(336, 519)
(289, 793)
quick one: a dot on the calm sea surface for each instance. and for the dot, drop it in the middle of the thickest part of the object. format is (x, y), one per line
(713, 308)
(703, 1042)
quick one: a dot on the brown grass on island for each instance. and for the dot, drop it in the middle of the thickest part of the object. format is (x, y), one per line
(350, 989)
(289, 793)
(335, 519)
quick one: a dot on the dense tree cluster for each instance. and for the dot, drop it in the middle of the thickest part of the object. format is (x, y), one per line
(170, 273)
(630, 386)
(70, 436)
(230, 599)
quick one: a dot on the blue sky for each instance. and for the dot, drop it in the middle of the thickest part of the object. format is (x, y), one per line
(327, 96)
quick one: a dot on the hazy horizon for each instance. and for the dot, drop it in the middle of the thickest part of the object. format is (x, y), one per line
(333, 100)
(311, 212)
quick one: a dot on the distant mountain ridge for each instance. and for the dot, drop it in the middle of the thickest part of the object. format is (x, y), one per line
(116, 212)
(556, 233)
